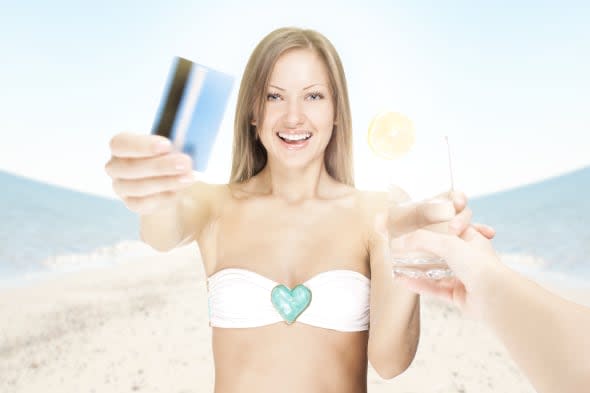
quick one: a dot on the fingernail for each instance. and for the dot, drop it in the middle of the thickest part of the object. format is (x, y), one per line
(162, 146)
(181, 164)
(187, 178)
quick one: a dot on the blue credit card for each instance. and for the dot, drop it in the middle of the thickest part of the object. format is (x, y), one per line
(192, 108)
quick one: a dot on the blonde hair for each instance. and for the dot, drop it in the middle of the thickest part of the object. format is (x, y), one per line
(249, 155)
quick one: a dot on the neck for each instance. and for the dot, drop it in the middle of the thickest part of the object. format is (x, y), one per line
(294, 185)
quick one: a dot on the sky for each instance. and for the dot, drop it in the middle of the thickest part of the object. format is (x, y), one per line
(507, 82)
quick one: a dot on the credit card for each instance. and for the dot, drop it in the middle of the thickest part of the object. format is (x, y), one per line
(192, 109)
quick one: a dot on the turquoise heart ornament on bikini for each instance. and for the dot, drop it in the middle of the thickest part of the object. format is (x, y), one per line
(290, 303)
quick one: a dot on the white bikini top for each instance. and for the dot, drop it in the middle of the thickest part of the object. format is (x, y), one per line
(336, 299)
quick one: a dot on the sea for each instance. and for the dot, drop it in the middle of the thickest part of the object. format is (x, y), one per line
(543, 230)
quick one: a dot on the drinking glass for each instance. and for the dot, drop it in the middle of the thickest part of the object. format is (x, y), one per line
(424, 173)
(415, 263)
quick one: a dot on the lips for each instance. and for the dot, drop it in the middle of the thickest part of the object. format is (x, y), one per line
(294, 140)
(294, 137)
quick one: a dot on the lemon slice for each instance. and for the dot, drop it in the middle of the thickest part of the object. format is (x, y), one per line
(391, 135)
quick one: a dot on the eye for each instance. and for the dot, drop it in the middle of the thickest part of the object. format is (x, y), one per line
(315, 96)
(273, 97)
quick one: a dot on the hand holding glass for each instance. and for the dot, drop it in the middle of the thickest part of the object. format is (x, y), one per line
(421, 172)
(432, 214)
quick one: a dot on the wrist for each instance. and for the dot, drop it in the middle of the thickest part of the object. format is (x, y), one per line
(493, 280)
(166, 208)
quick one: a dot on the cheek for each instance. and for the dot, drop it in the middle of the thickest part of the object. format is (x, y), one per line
(269, 121)
(321, 115)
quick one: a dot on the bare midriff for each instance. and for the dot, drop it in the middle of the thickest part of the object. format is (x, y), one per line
(289, 358)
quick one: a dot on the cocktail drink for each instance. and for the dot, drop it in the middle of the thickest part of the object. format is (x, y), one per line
(391, 136)
(439, 211)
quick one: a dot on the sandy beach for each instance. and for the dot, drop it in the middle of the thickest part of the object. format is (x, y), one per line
(142, 326)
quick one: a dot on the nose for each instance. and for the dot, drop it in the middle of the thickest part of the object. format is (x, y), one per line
(295, 115)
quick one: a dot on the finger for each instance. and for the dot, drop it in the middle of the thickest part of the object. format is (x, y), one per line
(434, 211)
(461, 221)
(407, 217)
(138, 168)
(470, 234)
(146, 205)
(136, 145)
(459, 200)
(485, 230)
(150, 186)
(402, 218)
(454, 249)
(425, 287)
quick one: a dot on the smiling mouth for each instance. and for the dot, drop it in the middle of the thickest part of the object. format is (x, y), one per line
(294, 138)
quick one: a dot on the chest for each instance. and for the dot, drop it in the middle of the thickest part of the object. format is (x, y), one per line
(289, 242)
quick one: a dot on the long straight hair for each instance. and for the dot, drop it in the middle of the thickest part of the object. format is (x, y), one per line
(249, 155)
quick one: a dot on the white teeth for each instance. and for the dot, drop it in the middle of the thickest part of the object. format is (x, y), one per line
(294, 137)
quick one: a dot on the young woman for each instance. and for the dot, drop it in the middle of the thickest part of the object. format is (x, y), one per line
(290, 219)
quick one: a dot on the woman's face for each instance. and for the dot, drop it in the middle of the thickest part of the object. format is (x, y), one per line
(299, 110)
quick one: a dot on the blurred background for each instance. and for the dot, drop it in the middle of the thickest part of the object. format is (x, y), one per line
(506, 81)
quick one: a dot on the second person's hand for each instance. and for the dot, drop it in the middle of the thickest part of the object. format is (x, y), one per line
(471, 257)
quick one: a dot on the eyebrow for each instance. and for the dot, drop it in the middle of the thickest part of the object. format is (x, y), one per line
(305, 88)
